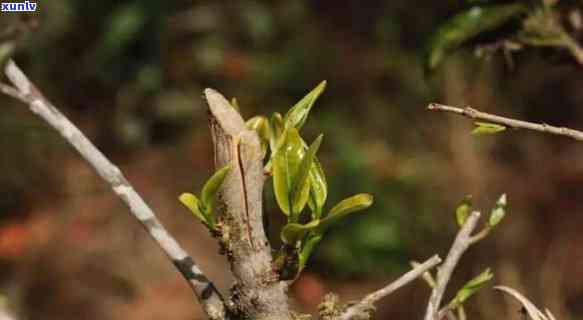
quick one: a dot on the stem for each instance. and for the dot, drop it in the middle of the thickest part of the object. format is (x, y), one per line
(257, 292)
(365, 305)
(461, 243)
(574, 48)
(508, 122)
(26, 91)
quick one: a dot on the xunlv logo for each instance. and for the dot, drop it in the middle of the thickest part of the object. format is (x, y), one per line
(26, 6)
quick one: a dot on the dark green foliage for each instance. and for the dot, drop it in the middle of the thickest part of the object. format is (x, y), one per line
(466, 25)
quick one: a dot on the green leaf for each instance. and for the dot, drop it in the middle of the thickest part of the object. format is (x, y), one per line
(277, 132)
(345, 207)
(463, 210)
(260, 124)
(318, 189)
(487, 128)
(498, 212)
(308, 247)
(298, 114)
(286, 164)
(301, 185)
(210, 189)
(293, 233)
(470, 288)
(467, 25)
(192, 203)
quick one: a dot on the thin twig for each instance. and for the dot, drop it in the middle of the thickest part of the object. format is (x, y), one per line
(365, 305)
(25, 91)
(461, 243)
(574, 48)
(14, 93)
(508, 122)
(481, 235)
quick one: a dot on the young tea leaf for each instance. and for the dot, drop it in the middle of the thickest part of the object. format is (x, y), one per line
(308, 247)
(293, 233)
(192, 203)
(298, 114)
(463, 210)
(286, 163)
(487, 128)
(260, 124)
(466, 25)
(471, 288)
(277, 132)
(301, 185)
(498, 212)
(345, 207)
(318, 189)
(210, 189)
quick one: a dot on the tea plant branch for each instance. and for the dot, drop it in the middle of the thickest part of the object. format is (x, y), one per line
(462, 242)
(25, 91)
(364, 306)
(508, 122)
(258, 294)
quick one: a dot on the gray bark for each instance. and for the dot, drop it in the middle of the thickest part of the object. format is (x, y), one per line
(257, 293)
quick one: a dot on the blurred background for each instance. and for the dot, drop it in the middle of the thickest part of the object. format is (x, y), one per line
(131, 75)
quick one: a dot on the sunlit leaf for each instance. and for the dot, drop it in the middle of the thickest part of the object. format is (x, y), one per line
(463, 210)
(498, 212)
(298, 114)
(286, 163)
(487, 128)
(345, 207)
(318, 189)
(466, 25)
(210, 189)
(471, 288)
(277, 130)
(192, 203)
(308, 248)
(301, 185)
(292, 233)
(260, 124)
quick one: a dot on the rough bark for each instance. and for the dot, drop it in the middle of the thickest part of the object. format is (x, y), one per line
(257, 293)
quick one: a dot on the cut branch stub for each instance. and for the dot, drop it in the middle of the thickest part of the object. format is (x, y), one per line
(257, 294)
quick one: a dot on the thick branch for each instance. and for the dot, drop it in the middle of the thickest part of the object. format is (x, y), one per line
(461, 243)
(26, 91)
(257, 292)
(508, 122)
(362, 308)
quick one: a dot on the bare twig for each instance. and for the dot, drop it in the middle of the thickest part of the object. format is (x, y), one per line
(461, 243)
(25, 91)
(574, 49)
(364, 306)
(533, 312)
(508, 122)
